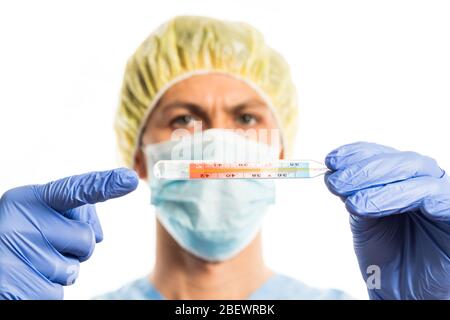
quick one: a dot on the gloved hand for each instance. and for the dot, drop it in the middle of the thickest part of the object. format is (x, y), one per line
(399, 204)
(47, 230)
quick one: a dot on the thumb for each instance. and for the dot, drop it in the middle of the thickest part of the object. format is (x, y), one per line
(88, 188)
(437, 208)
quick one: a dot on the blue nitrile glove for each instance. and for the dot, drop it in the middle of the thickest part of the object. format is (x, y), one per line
(47, 230)
(399, 204)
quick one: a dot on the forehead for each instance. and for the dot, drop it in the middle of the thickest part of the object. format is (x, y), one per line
(209, 89)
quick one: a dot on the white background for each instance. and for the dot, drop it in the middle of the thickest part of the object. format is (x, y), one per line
(366, 70)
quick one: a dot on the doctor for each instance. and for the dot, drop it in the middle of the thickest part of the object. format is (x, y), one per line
(223, 75)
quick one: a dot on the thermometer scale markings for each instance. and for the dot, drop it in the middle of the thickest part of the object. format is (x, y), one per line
(206, 170)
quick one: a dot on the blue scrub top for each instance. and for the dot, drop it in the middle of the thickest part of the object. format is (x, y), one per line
(277, 287)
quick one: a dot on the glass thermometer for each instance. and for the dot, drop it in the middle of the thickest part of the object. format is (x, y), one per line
(201, 169)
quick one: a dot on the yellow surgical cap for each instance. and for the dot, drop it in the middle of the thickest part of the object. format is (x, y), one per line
(187, 45)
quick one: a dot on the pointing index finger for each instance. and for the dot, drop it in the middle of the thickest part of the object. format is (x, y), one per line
(88, 188)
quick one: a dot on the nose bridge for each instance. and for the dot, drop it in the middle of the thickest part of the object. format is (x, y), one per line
(219, 116)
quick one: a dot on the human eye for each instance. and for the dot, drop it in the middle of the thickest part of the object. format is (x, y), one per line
(182, 121)
(247, 119)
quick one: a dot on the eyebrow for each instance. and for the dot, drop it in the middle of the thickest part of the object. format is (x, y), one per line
(247, 104)
(192, 107)
(199, 110)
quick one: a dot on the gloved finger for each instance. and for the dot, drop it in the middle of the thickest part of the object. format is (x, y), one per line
(331, 188)
(88, 188)
(349, 154)
(58, 268)
(437, 207)
(33, 286)
(382, 169)
(88, 214)
(47, 261)
(394, 198)
(69, 237)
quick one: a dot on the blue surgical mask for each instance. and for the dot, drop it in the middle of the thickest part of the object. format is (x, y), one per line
(212, 219)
